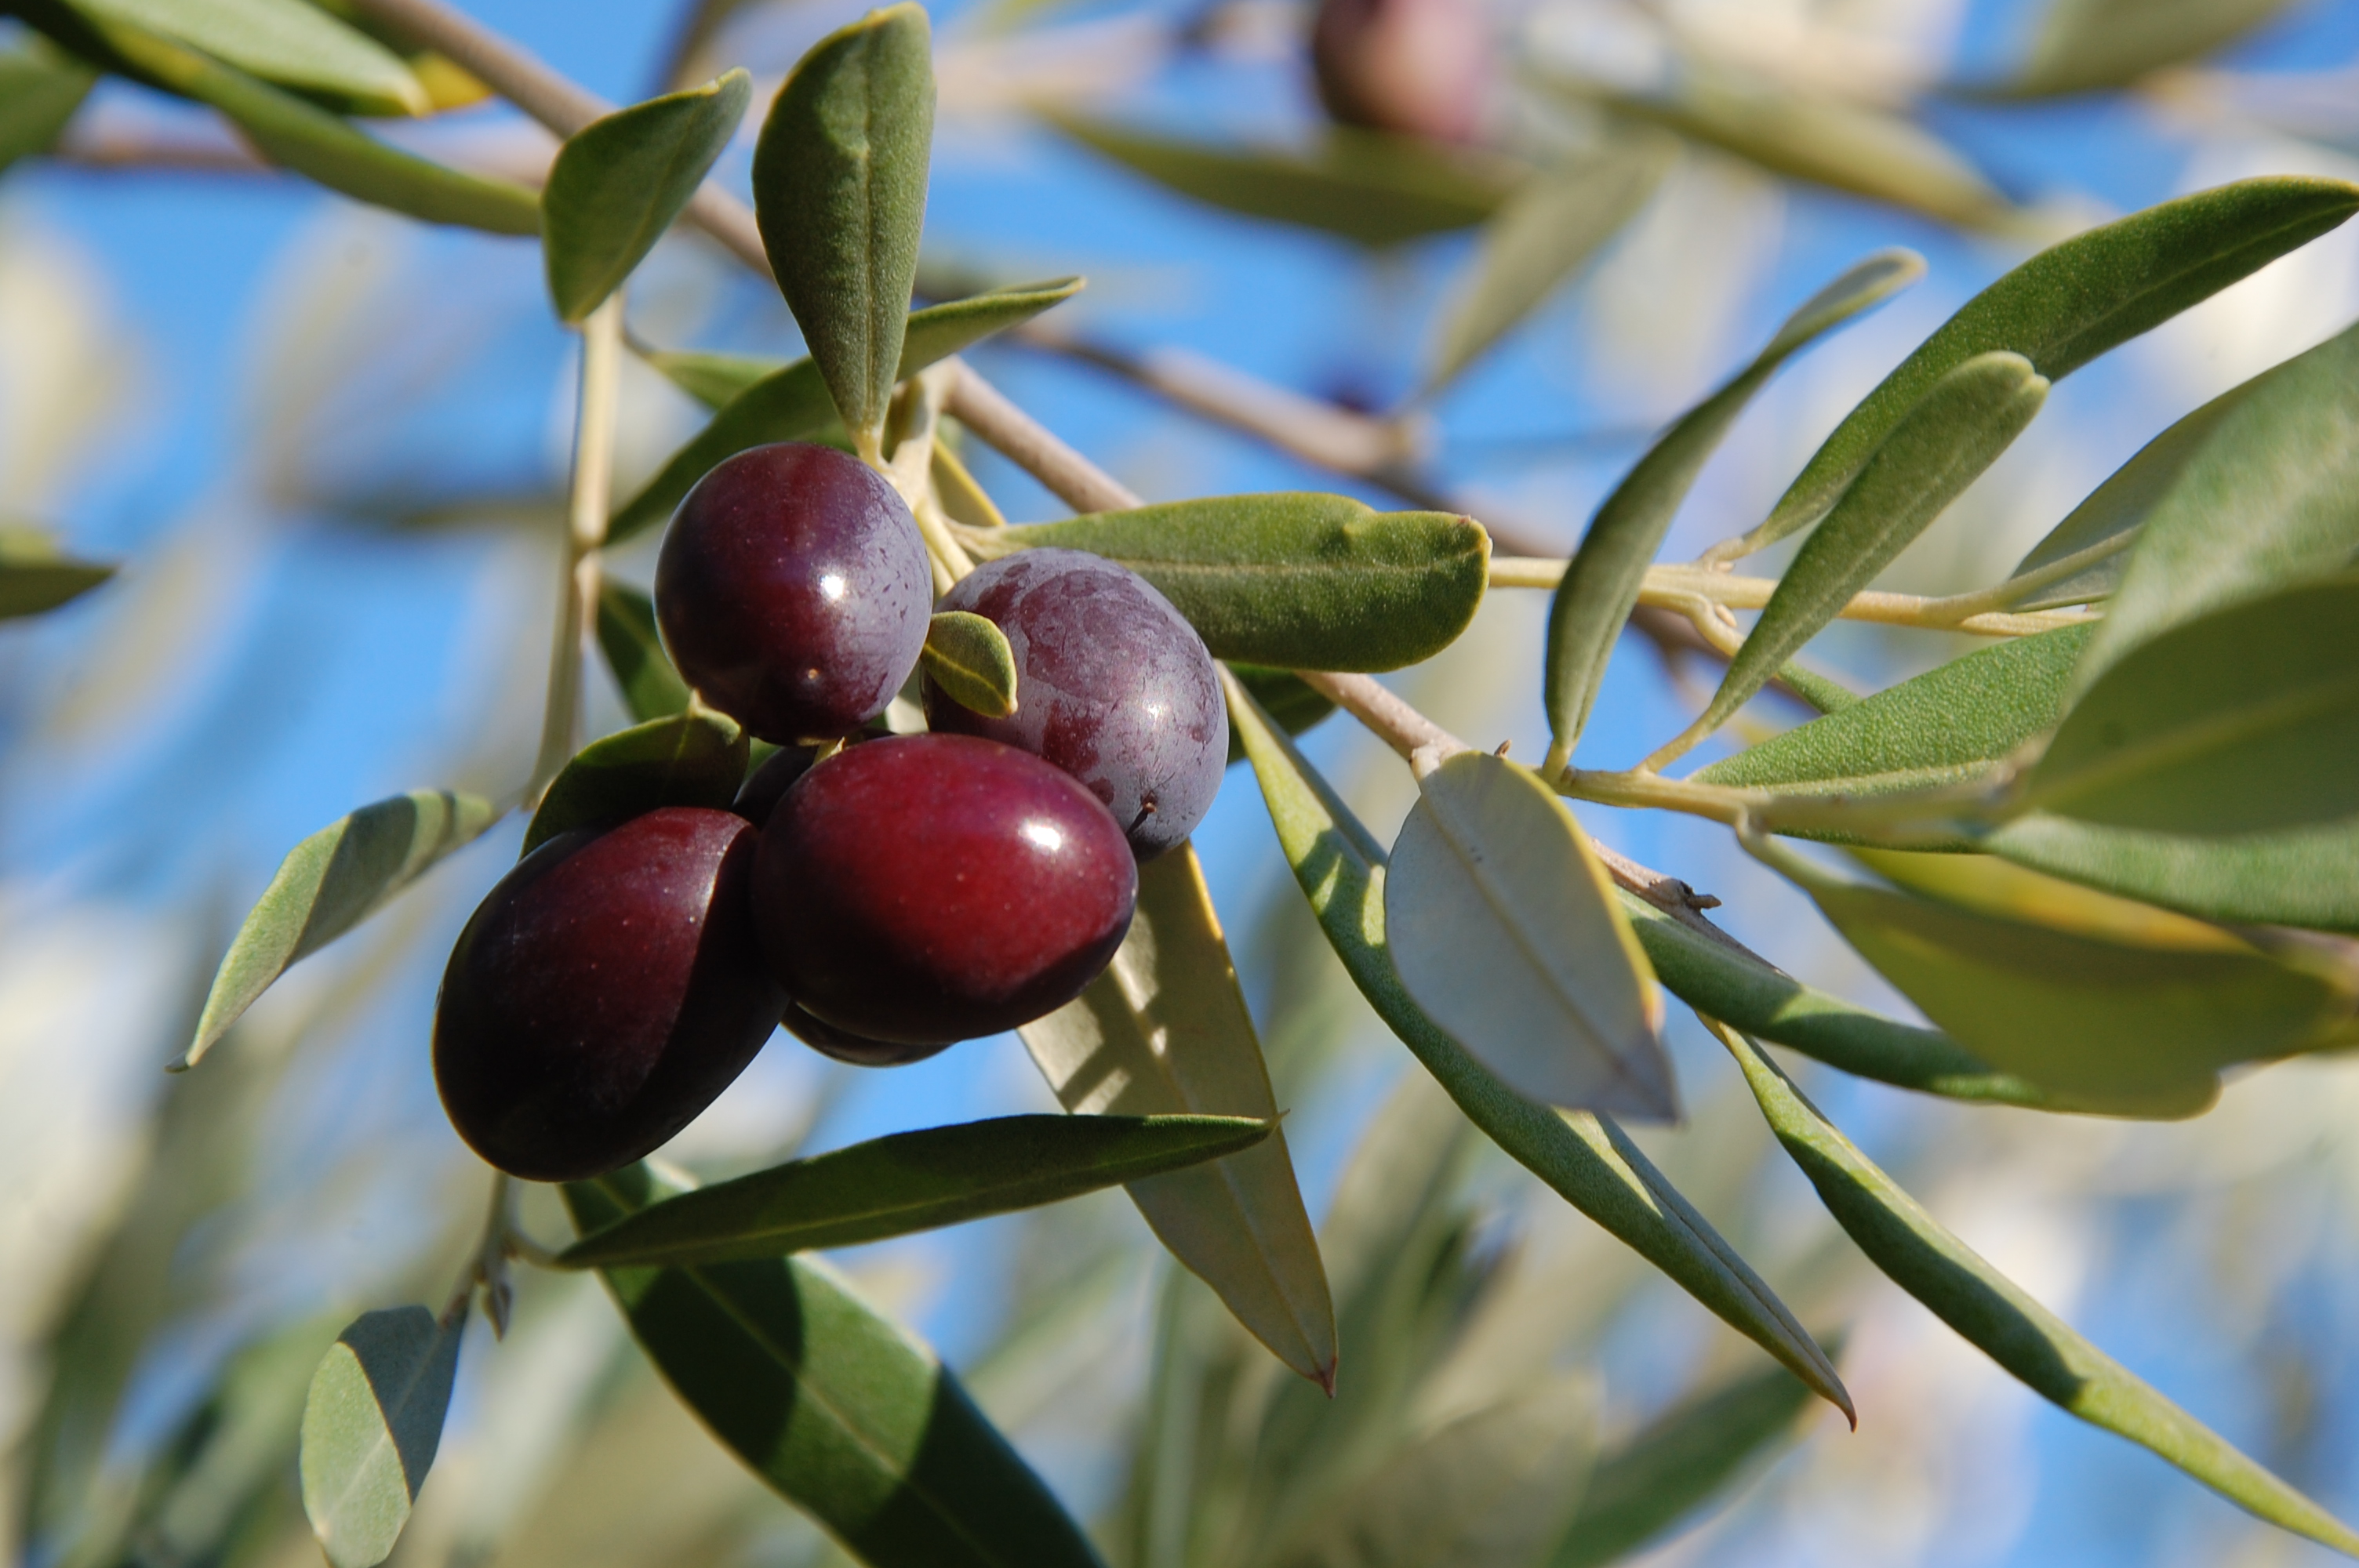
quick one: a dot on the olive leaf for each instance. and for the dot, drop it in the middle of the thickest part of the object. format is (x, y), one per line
(330, 884)
(371, 1425)
(1999, 1318)
(1288, 701)
(634, 652)
(620, 180)
(839, 190)
(1365, 185)
(835, 1407)
(40, 88)
(1927, 458)
(2086, 45)
(1292, 580)
(1165, 1031)
(2243, 720)
(35, 576)
(910, 1182)
(1586, 1160)
(2073, 301)
(2297, 875)
(696, 758)
(1600, 587)
(969, 658)
(791, 401)
(285, 42)
(1505, 932)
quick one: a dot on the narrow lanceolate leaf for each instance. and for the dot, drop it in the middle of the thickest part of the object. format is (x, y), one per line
(2297, 875)
(1165, 1031)
(2129, 1025)
(1585, 1159)
(326, 148)
(1549, 228)
(840, 188)
(40, 88)
(1999, 1318)
(1601, 587)
(911, 1182)
(34, 575)
(330, 884)
(1378, 189)
(2073, 301)
(969, 658)
(2086, 45)
(784, 402)
(833, 1406)
(619, 181)
(1507, 933)
(1675, 1465)
(2264, 503)
(696, 758)
(2244, 720)
(1966, 419)
(370, 1428)
(634, 652)
(1295, 580)
(1286, 700)
(287, 42)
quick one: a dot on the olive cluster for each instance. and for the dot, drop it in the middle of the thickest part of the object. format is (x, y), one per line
(906, 893)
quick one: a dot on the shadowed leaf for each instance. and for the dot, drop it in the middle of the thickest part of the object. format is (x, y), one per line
(634, 652)
(34, 577)
(286, 42)
(1288, 702)
(370, 1425)
(2087, 45)
(40, 88)
(696, 758)
(969, 658)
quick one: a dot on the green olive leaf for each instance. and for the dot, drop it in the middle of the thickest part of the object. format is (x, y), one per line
(35, 576)
(330, 884)
(839, 190)
(1365, 185)
(371, 1425)
(839, 1409)
(2085, 46)
(783, 403)
(969, 658)
(634, 652)
(2299, 876)
(911, 1182)
(620, 180)
(1285, 698)
(1601, 586)
(1926, 460)
(696, 758)
(2073, 301)
(1165, 1031)
(1507, 933)
(1294, 580)
(1586, 1160)
(1999, 1318)
(40, 88)
(285, 42)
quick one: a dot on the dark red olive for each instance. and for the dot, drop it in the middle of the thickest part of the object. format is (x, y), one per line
(928, 888)
(760, 791)
(1112, 686)
(845, 1046)
(604, 993)
(793, 591)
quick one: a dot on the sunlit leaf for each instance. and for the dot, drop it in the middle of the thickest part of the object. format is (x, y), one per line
(35, 576)
(2073, 301)
(1375, 188)
(370, 1425)
(286, 42)
(2243, 720)
(330, 884)
(1585, 1159)
(696, 758)
(1165, 1031)
(840, 188)
(1293, 580)
(1507, 933)
(910, 1182)
(1965, 420)
(1601, 587)
(1553, 224)
(40, 88)
(634, 652)
(2084, 45)
(619, 181)
(1999, 1318)
(969, 658)
(835, 1407)
(791, 401)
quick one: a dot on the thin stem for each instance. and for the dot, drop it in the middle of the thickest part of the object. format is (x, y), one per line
(1426, 745)
(2016, 588)
(1680, 588)
(487, 1264)
(593, 454)
(1032, 446)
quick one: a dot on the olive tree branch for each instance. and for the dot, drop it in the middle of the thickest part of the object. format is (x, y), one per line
(593, 468)
(1684, 588)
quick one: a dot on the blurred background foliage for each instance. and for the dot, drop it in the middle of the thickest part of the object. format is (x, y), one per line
(1424, 250)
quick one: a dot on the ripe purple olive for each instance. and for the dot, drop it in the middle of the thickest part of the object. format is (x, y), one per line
(1112, 686)
(604, 994)
(922, 889)
(845, 1046)
(793, 591)
(1417, 68)
(758, 795)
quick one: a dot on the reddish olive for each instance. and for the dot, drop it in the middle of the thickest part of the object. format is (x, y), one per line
(845, 1046)
(928, 888)
(605, 991)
